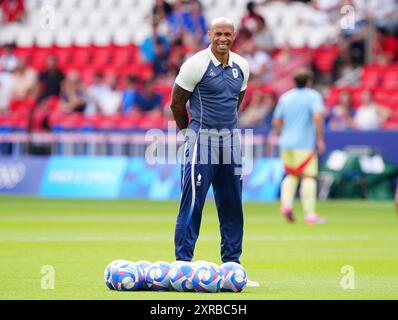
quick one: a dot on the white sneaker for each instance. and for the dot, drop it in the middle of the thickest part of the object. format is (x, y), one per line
(252, 284)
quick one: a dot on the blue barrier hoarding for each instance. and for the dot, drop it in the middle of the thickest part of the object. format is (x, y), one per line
(156, 182)
(162, 181)
(84, 177)
(263, 183)
(120, 177)
(21, 175)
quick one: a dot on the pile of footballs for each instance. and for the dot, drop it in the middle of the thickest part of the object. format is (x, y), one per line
(199, 276)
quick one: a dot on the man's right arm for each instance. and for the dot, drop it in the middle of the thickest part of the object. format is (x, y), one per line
(178, 106)
(320, 140)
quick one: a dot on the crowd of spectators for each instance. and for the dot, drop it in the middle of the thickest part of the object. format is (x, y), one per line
(179, 29)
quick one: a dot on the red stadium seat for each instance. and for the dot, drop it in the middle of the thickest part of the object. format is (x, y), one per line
(80, 58)
(122, 58)
(18, 120)
(385, 97)
(391, 124)
(141, 70)
(105, 123)
(128, 122)
(324, 58)
(22, 105)
(101, 57)
(87, 75)
(63, 57)
(72, 121)
(390, 78)
(150, 122)
(371, 76)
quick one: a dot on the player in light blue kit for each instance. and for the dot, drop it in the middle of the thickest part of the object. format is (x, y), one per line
(298, 118)
(214, 82)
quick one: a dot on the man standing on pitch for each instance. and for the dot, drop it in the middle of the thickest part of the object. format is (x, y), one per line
(298, 119)
(214, 81)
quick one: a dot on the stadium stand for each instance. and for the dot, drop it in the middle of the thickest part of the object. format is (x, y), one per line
(107, 36)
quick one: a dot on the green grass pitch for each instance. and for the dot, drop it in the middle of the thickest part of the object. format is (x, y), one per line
(80, 237)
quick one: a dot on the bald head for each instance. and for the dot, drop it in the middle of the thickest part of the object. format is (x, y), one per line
(222, 21)
(222, 35)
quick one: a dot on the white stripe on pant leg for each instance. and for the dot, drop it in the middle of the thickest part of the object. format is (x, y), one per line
(183, 169)
(195, 150)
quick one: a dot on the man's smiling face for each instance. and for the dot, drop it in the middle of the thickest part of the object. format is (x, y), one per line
(222, 37)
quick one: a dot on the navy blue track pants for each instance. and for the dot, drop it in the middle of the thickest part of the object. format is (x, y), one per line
(222, 170)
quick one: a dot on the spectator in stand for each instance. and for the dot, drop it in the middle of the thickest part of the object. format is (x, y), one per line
(251, 19)
(195, 27)
(111, 99)
(263, 38)
(8, 61)
(176, 20)
(6, 89)
(176, 58)
(103, 96)
(94, 93)
(148, 101)
(161, 9)
(342, 115)
(385, 47)
(13, 10)
(73, 97)
(384, 13)
(25, 82)
(271, 101)
(129, 94)
(259, 61)
(50, 80)
(161, 62)
(328, 11)
(148, 45)
(371, 115)
(260, 110)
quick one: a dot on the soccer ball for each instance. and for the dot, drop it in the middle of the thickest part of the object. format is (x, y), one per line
(235, 277)
(108, 272)
(143, 265)
(207, 278)
(126, 277)
(207, 263)
(181, 276)
(157, 276)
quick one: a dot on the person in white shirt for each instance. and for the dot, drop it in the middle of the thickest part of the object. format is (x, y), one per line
(370, 115)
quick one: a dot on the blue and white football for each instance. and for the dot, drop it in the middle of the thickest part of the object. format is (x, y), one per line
(126, 277)
(157, 276)
(235, 277)
(207, 278)
(143, 265)
(108, 272)
(181, 276)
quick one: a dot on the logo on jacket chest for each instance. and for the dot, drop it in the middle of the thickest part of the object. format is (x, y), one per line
(235, 73)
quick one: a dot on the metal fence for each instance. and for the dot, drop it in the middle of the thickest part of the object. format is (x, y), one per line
(105, 144)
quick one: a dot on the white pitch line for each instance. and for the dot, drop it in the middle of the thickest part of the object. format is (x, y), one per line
(160, 238)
